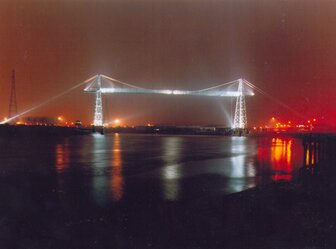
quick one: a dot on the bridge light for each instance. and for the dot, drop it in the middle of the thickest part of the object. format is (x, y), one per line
(107, 90)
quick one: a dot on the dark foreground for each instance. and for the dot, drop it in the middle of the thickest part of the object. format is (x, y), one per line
(281, 215)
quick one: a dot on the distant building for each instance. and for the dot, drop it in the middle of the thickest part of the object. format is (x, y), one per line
(207, 129)
(78, 123)
(40, 121)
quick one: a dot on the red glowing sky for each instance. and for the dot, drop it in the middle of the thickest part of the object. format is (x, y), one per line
(287, 48)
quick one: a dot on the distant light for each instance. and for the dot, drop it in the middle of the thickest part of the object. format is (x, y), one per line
(117, 121)
(59, 118)
(314, 119)
(308, 121)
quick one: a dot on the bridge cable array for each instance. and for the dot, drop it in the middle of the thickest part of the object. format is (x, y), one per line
(41, 104)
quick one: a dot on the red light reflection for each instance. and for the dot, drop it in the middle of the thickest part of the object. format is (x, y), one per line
(62, 156)
(281, 159)
(117, 178)
(277, 155)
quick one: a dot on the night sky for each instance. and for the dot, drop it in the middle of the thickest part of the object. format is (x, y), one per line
(287, 48)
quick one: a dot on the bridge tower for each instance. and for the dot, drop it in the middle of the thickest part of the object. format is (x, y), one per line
(12, 110)
(98, 115)
(240, 119)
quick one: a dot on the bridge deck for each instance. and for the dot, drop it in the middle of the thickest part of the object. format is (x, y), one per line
(169, 92)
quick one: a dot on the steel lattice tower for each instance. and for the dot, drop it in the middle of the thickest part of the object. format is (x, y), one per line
(240, 119)
(98, 116)
(12, 110)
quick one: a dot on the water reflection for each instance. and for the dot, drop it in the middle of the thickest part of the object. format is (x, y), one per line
(238, 162)
(93, 168)
(171, 171)
(281, 159)
(313, 154)
(117, 180)
(100, 163)
(107, 169)
(239, 167)
(62, 156)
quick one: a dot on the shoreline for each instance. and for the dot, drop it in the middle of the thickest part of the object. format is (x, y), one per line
(53, 130)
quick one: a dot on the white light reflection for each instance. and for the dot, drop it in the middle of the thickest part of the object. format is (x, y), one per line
(100, 181)
(251, 171)
(171, 172)
(239, 167)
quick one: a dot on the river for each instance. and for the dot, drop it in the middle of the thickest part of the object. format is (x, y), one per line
(113, 191)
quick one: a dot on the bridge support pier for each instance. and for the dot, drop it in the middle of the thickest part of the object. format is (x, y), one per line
(98, 113)
(240, 119)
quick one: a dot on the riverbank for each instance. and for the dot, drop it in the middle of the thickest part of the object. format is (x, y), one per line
(39, 130)
(283, 215)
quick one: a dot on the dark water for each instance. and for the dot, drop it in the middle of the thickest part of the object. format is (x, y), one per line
(116, 167)
(129, 191)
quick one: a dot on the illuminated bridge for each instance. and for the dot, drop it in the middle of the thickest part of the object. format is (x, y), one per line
(101, 84)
